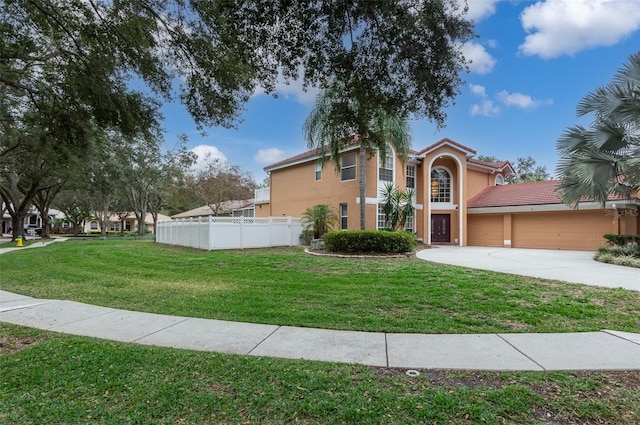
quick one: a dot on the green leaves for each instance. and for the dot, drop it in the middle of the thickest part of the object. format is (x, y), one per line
(605, 159)
(319, 219)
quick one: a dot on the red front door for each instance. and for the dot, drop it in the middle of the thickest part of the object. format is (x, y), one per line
(440, 228)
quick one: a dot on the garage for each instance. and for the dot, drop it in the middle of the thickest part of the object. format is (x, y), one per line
(580, 230)
(485, 230)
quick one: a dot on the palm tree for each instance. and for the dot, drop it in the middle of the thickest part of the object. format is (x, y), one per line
(339, 120)
(605, 159)
(319, 219)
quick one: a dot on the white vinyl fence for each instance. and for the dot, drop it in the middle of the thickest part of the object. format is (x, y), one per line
(212, 233)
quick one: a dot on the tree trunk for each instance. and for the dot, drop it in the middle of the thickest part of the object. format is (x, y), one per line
(46, 225)
(17, 224)
(362, 174)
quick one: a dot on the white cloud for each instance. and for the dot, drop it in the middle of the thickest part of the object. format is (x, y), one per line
(480, 9)
(565, 27)
(206, 153)
(269, 156)
(478, 90)
(486, 109)
(481, 61)
(294, 89)
(522, 101)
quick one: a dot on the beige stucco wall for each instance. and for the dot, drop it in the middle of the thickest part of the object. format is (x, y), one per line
(579, 230)
(294, 189)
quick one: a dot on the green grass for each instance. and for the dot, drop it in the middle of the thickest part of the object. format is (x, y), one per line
(49, 378)
(287, 287)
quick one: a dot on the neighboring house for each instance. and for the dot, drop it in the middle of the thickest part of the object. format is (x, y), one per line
(241, 208)
(130, 223)
(460, 200)
(33, 220)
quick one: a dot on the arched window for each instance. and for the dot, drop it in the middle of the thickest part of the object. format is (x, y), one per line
(94, 225)
(440, 185)
(499, 180)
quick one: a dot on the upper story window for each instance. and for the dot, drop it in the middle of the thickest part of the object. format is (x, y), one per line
(318, 170)
(385, 166)
(348, 166)
(440, 185)
(411, 176)
(499, 180)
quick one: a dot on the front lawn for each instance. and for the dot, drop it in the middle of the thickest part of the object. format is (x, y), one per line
(48, 378)
(285, 286)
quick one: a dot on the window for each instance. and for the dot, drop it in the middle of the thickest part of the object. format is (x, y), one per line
(318, 170)
(33, 220)
(440, 185)
(499, 180)
(385, 166)
(348, 167)
(382, 223)
(408, 225)
(411, 176)
(343, 217)
(94, 225)
(114, 226)
(66, 225)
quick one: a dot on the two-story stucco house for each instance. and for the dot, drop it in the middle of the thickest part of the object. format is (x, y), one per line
(460, 200)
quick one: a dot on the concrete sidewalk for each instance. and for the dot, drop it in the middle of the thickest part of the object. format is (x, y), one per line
(606, 350)
(565, 265)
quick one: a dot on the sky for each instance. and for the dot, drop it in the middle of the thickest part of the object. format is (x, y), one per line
(532, 62)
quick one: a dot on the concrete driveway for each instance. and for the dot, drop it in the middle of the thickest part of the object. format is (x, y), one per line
(568, 266)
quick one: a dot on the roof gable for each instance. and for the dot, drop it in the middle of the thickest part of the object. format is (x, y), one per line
(446, 142)
(499, 166)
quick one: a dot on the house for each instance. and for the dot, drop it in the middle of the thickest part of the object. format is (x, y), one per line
(460, 200)
(32, 223)
(127, 222)
(238, 208)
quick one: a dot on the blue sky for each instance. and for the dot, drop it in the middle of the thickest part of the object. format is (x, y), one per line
(531, 65)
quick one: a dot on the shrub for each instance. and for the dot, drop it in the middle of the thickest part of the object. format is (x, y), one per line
(621, 240)
(619, 255)
(369, 241)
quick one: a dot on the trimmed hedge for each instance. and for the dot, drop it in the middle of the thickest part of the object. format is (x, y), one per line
(369, 241)
(621, 240)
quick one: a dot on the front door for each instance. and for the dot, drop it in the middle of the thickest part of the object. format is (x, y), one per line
(440, 228)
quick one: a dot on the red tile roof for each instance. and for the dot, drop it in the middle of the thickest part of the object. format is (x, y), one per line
(499, 165)
(442, 142)
(534, 193)
(315, 152)
(509, 195)
(296, 158)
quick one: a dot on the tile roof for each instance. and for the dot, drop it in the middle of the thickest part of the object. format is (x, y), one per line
(226, 207)
(442, 142)
(499, 165)
(509, 195)
(316, 152)
(308, 154)
(534, 193)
